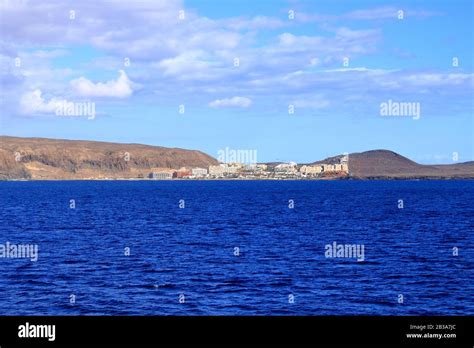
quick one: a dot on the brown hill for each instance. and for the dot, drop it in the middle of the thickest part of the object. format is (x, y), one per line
(388, 164)
(37, 158)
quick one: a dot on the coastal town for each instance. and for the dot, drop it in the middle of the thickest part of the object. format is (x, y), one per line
(255, 171)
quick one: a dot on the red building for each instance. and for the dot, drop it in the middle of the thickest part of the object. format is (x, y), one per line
(182, 174)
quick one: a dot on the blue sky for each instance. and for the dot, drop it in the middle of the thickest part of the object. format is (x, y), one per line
(50, 55)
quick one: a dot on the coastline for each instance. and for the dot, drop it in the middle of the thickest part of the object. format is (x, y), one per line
(34, 159)
(259, 179)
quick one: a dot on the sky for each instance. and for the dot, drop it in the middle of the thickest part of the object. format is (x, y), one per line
(292, 80)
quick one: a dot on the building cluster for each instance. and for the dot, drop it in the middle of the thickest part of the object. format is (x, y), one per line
(289, 170)
(318, 169)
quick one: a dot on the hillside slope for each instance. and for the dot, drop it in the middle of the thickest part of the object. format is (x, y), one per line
(38, 158)
(388, 164)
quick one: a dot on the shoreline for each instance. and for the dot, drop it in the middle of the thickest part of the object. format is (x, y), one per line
(253, 179)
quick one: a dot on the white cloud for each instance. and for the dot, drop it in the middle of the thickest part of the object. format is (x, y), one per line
(168, 53)
(32, 103)
(314, 62)
(386, 13)
(48, 54)
(345, 42)
(437, 79)
(196, 56)
(120, 88)
(360, 69)
(377, 13)
(188, 62)
(240, 102)
(255, 23)
(312, 102)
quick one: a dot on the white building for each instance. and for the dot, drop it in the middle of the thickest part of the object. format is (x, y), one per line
(216, 170)
(199, 172)
(222, 169)
(311, 170)
(160, 175)
(287, 168)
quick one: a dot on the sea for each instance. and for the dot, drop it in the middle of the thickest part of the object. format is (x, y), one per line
(342, 247)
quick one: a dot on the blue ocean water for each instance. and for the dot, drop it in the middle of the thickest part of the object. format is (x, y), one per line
(280, 269)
